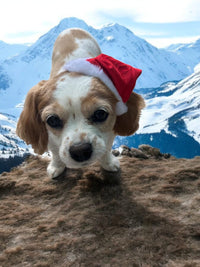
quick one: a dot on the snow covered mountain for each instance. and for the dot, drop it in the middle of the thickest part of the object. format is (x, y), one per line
(10, 50)
(20, 73)
(13, 151)
(171, 119)
(189, 53)
(181, 100)
(10, 144)
(172, 114)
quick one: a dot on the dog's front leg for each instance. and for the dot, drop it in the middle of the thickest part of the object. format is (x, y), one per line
(55, 167)
(110, 162)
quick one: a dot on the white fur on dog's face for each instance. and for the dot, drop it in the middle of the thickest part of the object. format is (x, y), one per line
(75, 100)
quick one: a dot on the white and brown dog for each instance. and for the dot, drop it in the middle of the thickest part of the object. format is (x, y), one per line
(86, 102)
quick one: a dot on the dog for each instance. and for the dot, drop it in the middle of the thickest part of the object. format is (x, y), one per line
(77, 115)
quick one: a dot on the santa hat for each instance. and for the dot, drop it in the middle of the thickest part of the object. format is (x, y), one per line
(119, 77)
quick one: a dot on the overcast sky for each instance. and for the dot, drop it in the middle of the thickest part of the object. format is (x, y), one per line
(160, 22)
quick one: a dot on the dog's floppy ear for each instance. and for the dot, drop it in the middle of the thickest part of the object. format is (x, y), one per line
(30, 126)
(128, 123)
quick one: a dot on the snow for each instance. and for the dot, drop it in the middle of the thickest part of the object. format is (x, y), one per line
(110, 38)
(10, 50)
(186, 98)
(10, 144)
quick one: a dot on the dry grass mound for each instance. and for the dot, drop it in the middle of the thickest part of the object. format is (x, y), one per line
(146, 215)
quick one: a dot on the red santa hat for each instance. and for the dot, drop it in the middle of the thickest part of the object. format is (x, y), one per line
(119, 77)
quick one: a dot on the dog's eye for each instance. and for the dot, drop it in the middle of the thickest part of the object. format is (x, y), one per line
(54, 121)
(99, 115)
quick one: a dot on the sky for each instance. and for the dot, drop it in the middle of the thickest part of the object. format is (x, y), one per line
(160, 22)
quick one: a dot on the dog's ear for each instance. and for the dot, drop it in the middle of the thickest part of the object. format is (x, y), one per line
(128, 123)
(30, 126)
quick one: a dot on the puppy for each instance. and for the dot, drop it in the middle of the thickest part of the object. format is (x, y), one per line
(76, 114)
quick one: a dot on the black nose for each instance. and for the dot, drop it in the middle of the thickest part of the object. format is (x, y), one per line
(81, 152)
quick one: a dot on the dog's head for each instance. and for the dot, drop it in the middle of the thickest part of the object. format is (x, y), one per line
(74, 115)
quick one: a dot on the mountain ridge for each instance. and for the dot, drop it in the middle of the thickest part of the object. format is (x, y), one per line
(35, 62)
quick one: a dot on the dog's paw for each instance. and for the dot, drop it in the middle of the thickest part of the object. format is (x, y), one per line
(111, 165)
(55, 171)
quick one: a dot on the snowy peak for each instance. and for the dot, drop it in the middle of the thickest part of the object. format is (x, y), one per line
(71, 22)
(116, 40)
(44, 45)
(189, 53)
(19, 74)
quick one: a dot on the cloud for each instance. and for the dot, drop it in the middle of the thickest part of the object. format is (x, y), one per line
(38, 16)
(164, 34)
(153, 11)
(164, 42)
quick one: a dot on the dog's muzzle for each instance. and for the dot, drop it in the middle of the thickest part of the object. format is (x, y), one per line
(81, 151)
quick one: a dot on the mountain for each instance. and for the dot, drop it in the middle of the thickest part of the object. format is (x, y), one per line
(171, 114)
(189, 53)
(171, 118)
(145, 215)
(10, 144)
(19, 74)
(10, 50)
(13, 150)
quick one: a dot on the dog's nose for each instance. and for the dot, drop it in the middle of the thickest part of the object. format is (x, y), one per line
(81, 152)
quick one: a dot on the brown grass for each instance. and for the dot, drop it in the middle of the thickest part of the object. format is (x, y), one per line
(146, 215)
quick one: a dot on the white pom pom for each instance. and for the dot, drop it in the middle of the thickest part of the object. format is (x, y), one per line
(121, 108)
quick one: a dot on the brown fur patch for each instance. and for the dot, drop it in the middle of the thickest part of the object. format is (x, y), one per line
(64, 46)
(74, 74)
(80, 34)
(100, 96)
(128, 123)
(54, 109)
(31, 128)
(82, 136)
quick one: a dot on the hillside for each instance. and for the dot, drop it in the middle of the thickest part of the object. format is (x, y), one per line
(146, 215)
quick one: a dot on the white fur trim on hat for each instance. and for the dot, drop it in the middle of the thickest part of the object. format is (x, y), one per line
(81, 65)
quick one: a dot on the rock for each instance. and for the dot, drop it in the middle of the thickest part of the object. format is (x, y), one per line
(138, 154)
(143, 152)
(125, 148)
(166, 155)
(150, 151)
(115, 152)
(125, 151)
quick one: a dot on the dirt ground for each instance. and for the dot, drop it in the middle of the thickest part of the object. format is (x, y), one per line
(147, 215)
